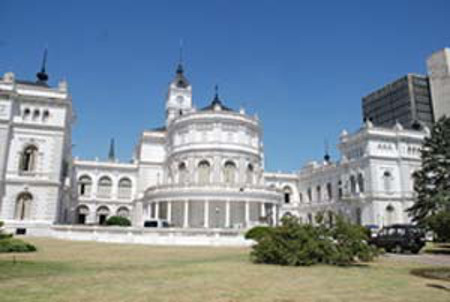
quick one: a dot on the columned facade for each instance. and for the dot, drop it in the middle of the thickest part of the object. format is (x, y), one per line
(214, 207)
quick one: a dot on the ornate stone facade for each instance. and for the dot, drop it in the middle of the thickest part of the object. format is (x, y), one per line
(203, 170)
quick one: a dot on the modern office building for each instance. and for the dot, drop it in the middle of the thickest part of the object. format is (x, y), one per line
(439, 74)
(406, 100)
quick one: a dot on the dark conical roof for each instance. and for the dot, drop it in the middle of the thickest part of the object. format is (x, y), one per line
(42, 76)
(180, 80)
(216, 102)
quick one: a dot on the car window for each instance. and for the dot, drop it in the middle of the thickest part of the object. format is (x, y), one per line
(391, 231)
(401, 231)
(383, 232)
(151, 224)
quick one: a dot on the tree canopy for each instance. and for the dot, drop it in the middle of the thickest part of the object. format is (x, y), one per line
(432, 181)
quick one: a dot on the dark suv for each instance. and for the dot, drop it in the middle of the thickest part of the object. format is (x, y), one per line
(400, 237)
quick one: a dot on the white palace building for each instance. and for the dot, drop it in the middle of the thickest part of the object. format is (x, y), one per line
(203, 172)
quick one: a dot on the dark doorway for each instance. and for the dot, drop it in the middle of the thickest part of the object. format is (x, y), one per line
(102, 219)
(81, 218)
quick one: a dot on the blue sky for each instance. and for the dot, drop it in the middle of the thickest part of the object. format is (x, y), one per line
(301, 66)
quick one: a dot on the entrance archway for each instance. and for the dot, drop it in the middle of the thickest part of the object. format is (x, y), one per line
(82, 214)
(23, 206)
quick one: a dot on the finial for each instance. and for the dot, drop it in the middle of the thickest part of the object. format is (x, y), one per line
(180, 59)
(42, 75)
(181, 51)
(112, 153)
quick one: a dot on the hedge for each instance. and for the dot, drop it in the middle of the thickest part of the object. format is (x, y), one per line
(118, 220)
(13, 245)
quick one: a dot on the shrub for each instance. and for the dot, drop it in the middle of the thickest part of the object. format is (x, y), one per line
(12, 245)
(5, 236)
(440, 224)
(1, 223)
(118, 220)
(256, 233)
(296, 244)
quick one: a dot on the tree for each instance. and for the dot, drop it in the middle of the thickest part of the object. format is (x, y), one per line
(432, 181)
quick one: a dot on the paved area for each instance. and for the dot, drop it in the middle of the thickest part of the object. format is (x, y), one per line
(426, 259)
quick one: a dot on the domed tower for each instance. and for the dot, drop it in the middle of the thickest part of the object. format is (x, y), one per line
(214, 166)
(179, 97)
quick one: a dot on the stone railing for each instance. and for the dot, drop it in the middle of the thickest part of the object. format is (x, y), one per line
(153, 236)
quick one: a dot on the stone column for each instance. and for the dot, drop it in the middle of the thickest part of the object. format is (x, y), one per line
(157, 210)
(263, 209)
(247, 214)
(138, 214)
(186, 214)
(149, 211)
(206, 214)
(274, 214)
(227, 214)
(169, 211)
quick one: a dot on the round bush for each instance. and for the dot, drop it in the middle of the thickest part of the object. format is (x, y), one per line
(1, 223)
(118, 220)
(296, 244)
(12, 245)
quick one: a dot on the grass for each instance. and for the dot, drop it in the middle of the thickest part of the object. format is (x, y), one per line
(437, 248)
(88, 271)
(442, 273)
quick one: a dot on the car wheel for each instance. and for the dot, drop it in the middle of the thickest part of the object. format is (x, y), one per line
(398, 249)
(415, 250)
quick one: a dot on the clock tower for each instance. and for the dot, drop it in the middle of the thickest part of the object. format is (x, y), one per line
(179, 97)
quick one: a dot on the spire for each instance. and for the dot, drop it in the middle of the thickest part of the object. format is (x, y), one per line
(216, 99)
(180, 80)
(42, 75)
(111, 154)
(180, 59)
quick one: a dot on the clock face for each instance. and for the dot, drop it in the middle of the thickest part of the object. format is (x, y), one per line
(180, 99)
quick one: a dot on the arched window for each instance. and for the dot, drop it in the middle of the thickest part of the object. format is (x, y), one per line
(45, 115)
(361, 183)
(36, 114)
(82, 214)
(340, 190)
(329, 191)
(182, 173)
(123, 212)
(330, 218)
(287, 191)
(23, 206)
(249, 174)
(309, 193)
(319, 193)
(102, 215)
(28, 159)
(124, 188)
(353, 184)
(204, 170)
(387, 181)
(310, 218)
(84, 186)
(229, 172)
(26, 114)
(104, 187)
(390, 214)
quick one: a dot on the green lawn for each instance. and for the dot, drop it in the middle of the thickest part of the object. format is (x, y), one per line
(88, 271)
